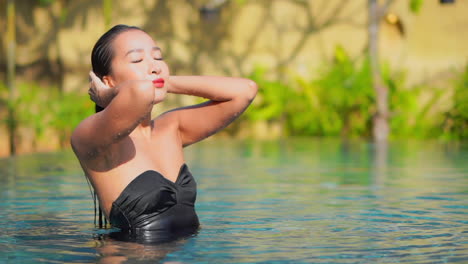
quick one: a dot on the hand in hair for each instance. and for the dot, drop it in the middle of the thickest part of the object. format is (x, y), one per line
(99, 93)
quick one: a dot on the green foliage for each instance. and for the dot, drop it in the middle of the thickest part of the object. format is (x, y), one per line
(344, 89)
(456, 122)
(341, 102)
(412, 108)
(45, 2)
(3, 95)
(31, 108)
(415, 5)
(68, 111)
(40, 109)
(107, 12)
(271, 101)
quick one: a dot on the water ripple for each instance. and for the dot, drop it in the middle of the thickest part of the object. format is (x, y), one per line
(291, 203)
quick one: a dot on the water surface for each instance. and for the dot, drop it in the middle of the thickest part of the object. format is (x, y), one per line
(288, 201)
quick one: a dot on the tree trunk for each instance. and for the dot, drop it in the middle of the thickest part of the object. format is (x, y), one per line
(11, 64)
(380, 122)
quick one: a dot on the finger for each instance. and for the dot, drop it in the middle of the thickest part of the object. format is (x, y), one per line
(94, 78)
(92, 75)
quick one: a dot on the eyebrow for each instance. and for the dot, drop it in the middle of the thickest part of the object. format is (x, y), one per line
(141, 50)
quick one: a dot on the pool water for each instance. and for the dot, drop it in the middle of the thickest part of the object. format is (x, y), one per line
(288, 201)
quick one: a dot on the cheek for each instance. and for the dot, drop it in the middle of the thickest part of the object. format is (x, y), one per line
(166, 68)
(128, 72)
(136, 71)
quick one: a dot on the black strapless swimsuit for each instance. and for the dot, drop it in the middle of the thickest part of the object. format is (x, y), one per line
(154, 209)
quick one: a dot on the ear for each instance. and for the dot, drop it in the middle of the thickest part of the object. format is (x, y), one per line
(108, 81)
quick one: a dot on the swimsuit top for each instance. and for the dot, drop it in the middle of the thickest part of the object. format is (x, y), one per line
(155, 207)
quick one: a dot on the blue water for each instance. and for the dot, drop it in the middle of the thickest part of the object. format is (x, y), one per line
(288, 201)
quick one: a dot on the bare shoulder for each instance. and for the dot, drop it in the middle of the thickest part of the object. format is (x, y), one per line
(167, 121)
(80, 137)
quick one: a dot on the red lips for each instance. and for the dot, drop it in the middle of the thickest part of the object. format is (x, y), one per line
(159, 83)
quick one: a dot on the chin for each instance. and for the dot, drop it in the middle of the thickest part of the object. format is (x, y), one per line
(159, 99)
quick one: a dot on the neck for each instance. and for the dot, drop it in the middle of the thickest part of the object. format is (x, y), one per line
(145, 126)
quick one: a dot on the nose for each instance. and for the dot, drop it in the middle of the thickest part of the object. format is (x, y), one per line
(155, 67)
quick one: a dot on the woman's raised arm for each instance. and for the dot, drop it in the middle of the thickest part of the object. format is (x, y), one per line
(131, 102)
(228, 98)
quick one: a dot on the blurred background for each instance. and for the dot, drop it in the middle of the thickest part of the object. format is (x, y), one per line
(362, 69)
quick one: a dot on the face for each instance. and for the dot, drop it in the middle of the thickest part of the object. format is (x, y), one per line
(137, 57)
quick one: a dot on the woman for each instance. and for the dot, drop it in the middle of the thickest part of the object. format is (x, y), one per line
(134, 163)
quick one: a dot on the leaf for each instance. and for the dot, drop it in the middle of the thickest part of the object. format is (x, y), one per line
(340, 54)
(45, 2)
(415, 5)
(241, 2)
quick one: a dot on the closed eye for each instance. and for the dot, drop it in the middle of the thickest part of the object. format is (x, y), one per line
(159, 58)
(137, 61)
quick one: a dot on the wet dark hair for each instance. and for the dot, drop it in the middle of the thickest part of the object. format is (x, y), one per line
(103, 53)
